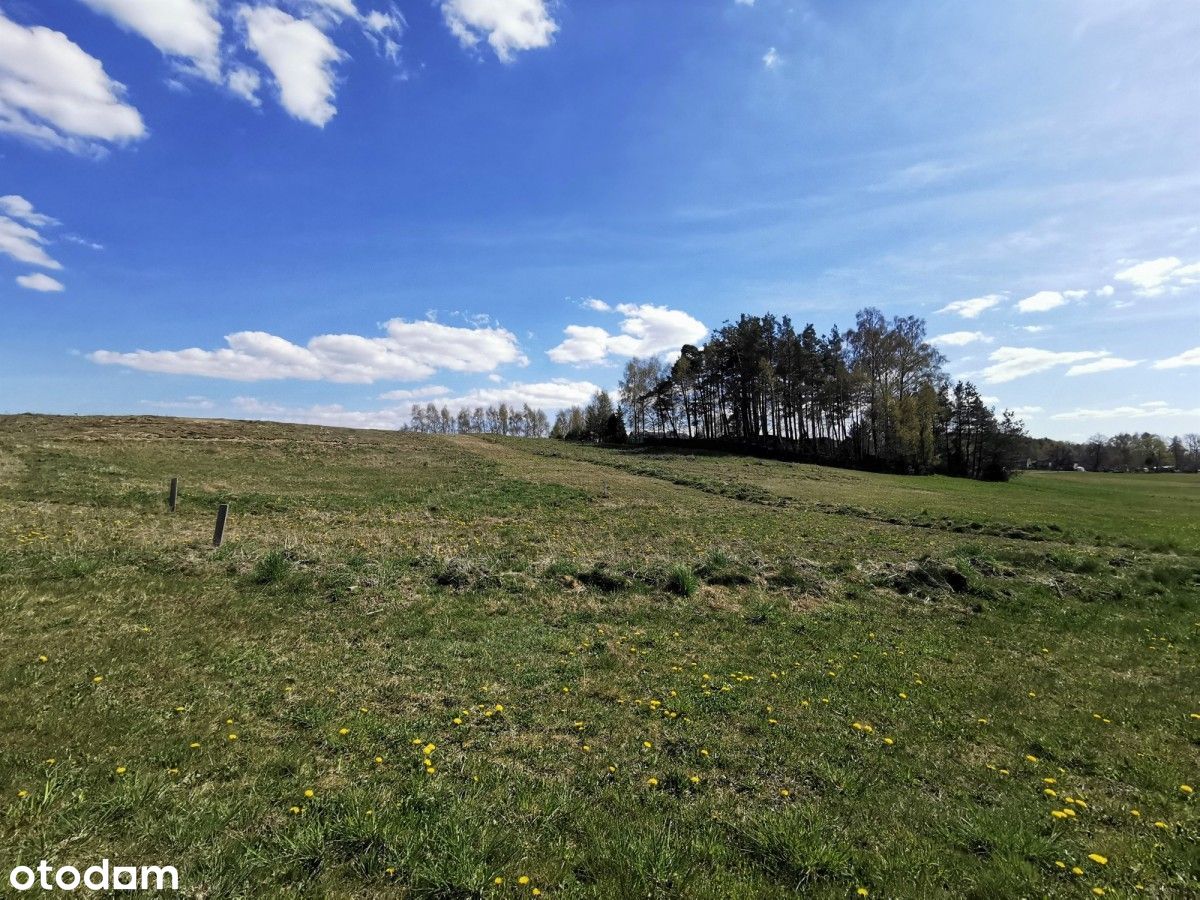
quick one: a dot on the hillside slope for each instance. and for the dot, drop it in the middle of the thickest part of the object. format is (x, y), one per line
(613, 673)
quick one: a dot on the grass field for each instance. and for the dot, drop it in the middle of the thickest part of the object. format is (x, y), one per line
(438, 667)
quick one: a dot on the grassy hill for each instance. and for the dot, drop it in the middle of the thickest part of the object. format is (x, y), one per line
(421, 665)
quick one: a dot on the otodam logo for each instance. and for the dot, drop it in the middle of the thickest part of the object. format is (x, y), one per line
(101, 877)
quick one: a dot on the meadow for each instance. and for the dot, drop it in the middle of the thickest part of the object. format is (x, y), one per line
(485, 667)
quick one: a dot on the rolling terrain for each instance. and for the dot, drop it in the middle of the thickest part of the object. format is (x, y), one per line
(477, 666)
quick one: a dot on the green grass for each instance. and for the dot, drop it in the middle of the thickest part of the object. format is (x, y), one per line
(835, 679)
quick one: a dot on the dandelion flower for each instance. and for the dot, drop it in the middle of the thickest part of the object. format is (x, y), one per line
(1098, 859)
(43, 658)
(309, 793)
(863, 892)
(379, 760)
(194, 745)
(1186, 788)
(524, 879)
(295, 810)
(1098, 891)
(695, 779)
(120, 770)
(232, 736)
(1160, 824)
(888, 741)
(343, 731)
(497, 880)
(97, 679)
(1075, 870)
(653, 782)
(1030, 758)
(784, 792)
(21, 795)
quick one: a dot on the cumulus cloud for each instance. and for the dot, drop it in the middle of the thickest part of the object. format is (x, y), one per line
(54, 93)
(25, 244)
(771, 58)
(1158, 276)
(1044, 301)
(409, 351)
(959, 338)
(1009, 363)
(549, 396)
(18, 207)
(508, 25)
(973, 308)
(1186, 358)
(646, 330)
(185, 29)
(1107, 291)
(1153, 409)
(300, 57)
(1104, 364)
(38, 281)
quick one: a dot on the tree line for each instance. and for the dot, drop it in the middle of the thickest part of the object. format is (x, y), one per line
(873, 396)
(502, 419)
(1125, 452)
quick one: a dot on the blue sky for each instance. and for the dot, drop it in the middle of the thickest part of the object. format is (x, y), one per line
(322, 210)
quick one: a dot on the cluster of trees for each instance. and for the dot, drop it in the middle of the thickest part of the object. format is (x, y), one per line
(873, 396)
(600, 420)
(1120, 453)
(502, 419)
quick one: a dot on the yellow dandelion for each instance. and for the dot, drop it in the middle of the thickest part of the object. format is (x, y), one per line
(343, 731)
(653, 782)
(1160, 824)
(21, 795)
(121, 770)
(232, 736)
(97, 679)
(194, 745)
(1186, 788)
(1098, 891)
(379, 760)
(497, 880)
(43, 658)
(1075, 870)
(295, 810)
(888, 741)
(863, 892)
(1030, 758)
(1098, 859)
(309, 793)
(524, 879)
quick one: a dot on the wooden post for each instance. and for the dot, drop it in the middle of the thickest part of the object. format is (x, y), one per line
(174, 498)
(222, 515)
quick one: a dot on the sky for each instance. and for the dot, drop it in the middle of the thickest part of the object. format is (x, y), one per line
(326, 210)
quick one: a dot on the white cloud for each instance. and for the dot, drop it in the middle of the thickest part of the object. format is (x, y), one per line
(646, 330)
(18, 207)
(301, 58)
(1107, 291)
(549, 396)
(1009, 363)
(245, 82)
(428, 392)
(960, 338)
(54, 93)
(1043, 301)
(1034, 329)
(187, 29)
(771, 58)
(597, 305)
(1186, 358)
(1105, 364)
(1026, 410)
(1158, 276)
(744, 2)
(193, 402)
(409, 351)
(973, 308)
(38, 281)
(1141, 411)
(508, 25)
(25, 244)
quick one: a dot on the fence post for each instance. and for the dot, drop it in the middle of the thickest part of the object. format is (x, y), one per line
(222, 515)
(174, 497)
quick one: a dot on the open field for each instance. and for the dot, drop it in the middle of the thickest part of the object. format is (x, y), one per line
(631, 674)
